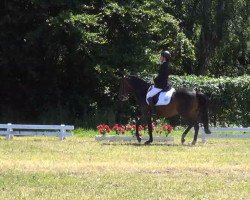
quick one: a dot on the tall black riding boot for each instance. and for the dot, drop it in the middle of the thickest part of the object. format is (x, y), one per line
(151, 101)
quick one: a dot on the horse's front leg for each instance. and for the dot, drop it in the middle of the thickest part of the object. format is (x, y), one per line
(150, 128)
(196, 129)
(185, 133)
(137, 130)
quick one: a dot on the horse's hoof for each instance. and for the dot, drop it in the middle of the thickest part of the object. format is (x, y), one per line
(139, 139)
(207, 131)
(147, 142)
(182, 141)
(193, 143)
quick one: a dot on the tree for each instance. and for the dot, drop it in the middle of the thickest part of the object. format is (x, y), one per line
(60, 60)
(218, 28)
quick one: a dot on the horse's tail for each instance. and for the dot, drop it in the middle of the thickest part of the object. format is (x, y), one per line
(203, 113)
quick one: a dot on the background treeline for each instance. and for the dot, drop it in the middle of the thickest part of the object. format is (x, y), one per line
(61, 60)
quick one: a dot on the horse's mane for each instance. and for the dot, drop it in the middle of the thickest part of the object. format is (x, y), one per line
(135, 80)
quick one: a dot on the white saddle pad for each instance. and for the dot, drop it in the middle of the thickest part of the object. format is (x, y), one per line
(165, 97)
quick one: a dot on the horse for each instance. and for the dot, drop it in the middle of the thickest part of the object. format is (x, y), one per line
(187, 103)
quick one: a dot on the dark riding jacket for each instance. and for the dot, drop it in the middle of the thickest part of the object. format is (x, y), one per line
(161, 81)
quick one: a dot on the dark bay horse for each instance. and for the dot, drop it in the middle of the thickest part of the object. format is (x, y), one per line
(189, 104)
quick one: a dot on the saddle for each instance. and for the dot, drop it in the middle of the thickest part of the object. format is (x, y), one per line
(161, 98)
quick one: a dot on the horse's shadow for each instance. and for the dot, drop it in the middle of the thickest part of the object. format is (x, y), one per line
(143, 145)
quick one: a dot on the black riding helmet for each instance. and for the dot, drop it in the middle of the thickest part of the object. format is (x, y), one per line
(165, 54)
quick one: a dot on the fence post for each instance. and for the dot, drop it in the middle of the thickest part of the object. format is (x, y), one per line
(62, 131)
(9, 132)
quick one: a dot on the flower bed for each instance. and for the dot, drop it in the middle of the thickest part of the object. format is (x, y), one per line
(160, 129)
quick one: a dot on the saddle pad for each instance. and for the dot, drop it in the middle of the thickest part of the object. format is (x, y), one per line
(165, 97)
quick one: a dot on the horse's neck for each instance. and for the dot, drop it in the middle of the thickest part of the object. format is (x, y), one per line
(139, 84)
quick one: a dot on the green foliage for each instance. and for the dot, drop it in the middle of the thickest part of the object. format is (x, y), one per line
(61, 60)
(218, 29)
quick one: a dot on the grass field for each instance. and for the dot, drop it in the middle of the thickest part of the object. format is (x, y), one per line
(81, 168)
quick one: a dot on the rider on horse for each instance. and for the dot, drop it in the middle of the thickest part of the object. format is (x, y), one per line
(161, 81)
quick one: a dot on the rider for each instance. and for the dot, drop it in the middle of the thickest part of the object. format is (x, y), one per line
(161, 81)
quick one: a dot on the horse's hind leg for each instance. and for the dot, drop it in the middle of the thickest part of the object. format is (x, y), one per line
(185, 133)
(137, 130)
(150, 128)
(196, 129)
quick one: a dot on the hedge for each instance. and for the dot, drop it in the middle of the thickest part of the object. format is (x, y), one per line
(229, 98)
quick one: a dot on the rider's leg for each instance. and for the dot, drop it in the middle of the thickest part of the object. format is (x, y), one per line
(151, 93)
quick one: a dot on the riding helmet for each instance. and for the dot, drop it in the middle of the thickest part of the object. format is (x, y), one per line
(165, 54)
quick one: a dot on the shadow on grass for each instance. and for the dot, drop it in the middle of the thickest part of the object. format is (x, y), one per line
(143, 145)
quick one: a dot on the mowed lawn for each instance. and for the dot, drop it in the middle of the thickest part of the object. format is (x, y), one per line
(81, 168)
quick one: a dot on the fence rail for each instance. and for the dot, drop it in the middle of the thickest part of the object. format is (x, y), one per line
(9, 130)
(204, 136)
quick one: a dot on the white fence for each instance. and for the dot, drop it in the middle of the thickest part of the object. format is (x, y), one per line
(204, 136)
(60, 131)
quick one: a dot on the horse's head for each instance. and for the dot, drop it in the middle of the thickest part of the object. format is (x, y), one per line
(131, 85)
(125, 89)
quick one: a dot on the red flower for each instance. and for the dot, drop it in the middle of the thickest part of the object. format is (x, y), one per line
(119, 129)
(99, 127)
(128, 127)
(140, 128)
(168, 128)
(103, 128)
(115, 126)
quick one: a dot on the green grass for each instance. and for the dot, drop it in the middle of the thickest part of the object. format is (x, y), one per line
(81, 168)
